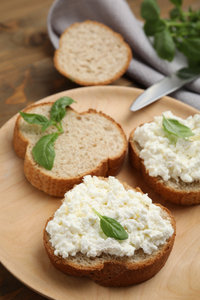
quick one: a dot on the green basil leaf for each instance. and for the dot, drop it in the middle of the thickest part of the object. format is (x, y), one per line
(34, 119)
(47, 124)
(171, 137)
(194, 63)
(174, 129)
(164, 45)
(194, 16)
(187, 73)
(150, 10)
(190, 47)
(112, 228)
(151, 27)
(58, 110)
(197, 24)
(175, 13)
(176, 2)
(43, 151)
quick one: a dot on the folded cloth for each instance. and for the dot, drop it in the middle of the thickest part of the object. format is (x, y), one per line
(146, 67)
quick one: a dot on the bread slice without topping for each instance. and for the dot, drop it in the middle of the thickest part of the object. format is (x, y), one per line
(90, 53)
(110, 270)
(92, 143)
(176, 192)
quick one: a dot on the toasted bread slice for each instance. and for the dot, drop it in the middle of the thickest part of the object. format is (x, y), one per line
(90, 53)
(92, 143)
(180, 192)
(113, 270)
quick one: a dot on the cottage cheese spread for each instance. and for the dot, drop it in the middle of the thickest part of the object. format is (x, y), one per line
(168, 160)
(76, 228)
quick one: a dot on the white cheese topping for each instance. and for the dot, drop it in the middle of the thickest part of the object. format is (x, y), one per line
(166, 159)
(76, 228)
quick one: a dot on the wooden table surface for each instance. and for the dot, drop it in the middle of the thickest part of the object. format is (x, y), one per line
(27, 74)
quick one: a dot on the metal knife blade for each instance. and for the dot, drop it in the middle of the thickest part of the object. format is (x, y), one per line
(164, 87)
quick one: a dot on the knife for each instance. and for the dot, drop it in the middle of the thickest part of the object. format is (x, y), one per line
(165, 86)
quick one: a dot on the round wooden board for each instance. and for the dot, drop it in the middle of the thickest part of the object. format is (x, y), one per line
(24, 210)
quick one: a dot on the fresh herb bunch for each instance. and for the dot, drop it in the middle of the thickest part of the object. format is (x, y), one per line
(111, 227)
(181, 31)
(174, 129)
(43, 151)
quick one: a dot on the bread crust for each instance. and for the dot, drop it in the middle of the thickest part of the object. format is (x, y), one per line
(100, 82)
(178, 193)
(109, 270)
(58, 186)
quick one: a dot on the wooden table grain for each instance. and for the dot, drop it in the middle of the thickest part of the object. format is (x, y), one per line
(27, 74)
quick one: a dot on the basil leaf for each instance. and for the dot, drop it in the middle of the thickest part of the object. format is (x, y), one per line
(176, 2)
(151, 27)
(182, 30)
(111, 227)
(164, 45)
(190, 47)
(58, 110)
(35, 119)
(150, 10)
(47, 124)
(174, 13)
(43, 151)
(174, 129)
(187, 73)
(171, 137)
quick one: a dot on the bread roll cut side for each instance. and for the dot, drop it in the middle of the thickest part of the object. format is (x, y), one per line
(93, 150)
(91, 53)
(179, 193)
(110, 270)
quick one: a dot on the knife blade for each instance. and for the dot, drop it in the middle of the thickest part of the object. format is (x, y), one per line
(165, 86)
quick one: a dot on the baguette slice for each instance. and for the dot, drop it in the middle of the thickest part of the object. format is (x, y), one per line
(90, 53)
(110, 270)
(92, 143)
(179, 193)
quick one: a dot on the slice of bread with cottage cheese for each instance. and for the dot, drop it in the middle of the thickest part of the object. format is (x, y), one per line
(92, 143)
(91, 53)
(76, 244)
(170, 169)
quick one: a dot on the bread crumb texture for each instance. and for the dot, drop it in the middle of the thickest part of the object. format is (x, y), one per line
(77, 245)
(90, 53)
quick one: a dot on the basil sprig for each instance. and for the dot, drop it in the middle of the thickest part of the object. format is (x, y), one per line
(43, 151)
(174, 129)
(181, 30)
(111, 227)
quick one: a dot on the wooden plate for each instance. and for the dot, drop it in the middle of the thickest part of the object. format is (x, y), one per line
(24, 210)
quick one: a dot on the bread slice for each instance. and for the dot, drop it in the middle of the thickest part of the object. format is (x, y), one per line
(176, 192)
(112, 270)
(90, 53)
(92, 143)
